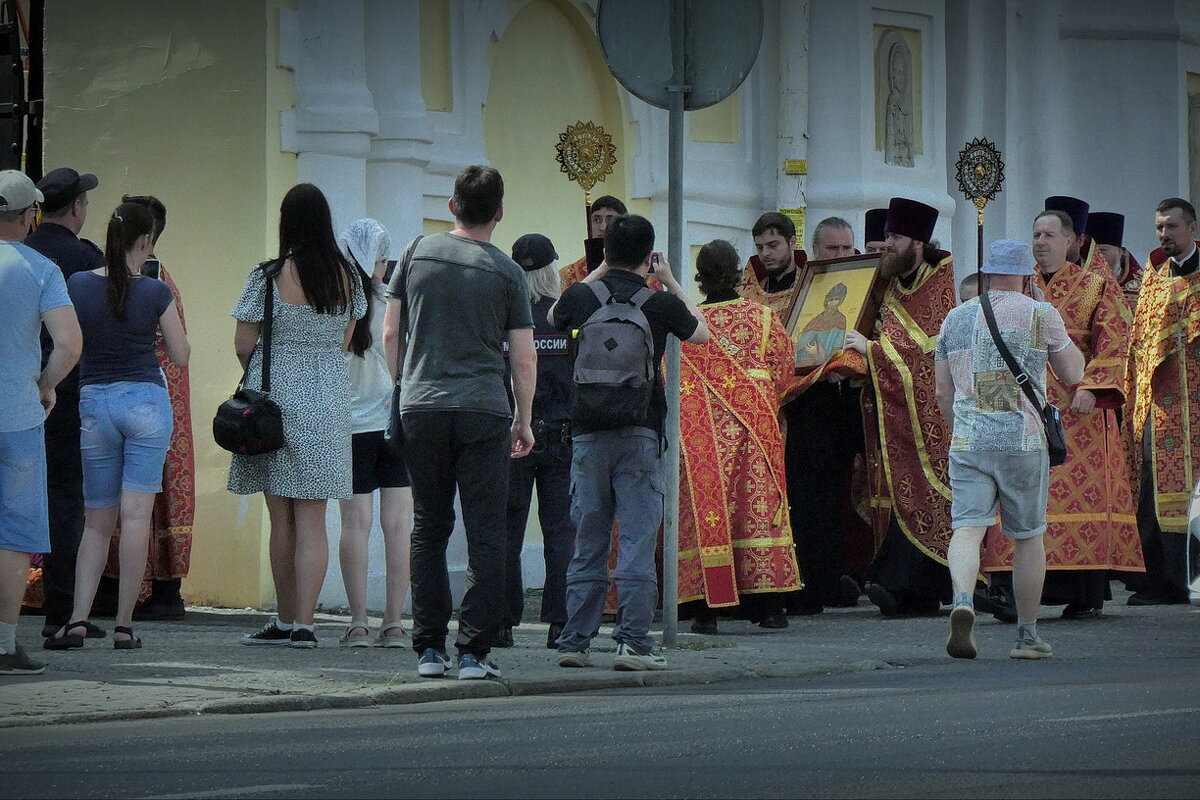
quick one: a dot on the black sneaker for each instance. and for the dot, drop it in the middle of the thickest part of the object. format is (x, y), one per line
(270, 634)
(19, 663)
(504, 637)
(303, 638)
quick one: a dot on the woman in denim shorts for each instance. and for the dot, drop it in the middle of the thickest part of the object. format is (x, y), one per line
(124, 413)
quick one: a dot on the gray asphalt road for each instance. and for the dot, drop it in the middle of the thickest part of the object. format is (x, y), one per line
(1118, 727)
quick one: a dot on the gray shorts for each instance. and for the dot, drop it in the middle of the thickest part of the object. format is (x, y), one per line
(1015, 483)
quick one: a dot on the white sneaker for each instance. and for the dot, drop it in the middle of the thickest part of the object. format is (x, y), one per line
(631, 659)
(473, 668)
(433, 663)
(574, 658)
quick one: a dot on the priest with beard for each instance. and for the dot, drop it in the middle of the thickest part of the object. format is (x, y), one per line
(908, 441)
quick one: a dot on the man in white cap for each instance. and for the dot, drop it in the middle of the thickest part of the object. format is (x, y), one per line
(34, 293)
(998, 458)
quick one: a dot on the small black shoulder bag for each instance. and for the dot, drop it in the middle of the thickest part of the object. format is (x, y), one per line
(249, 422)
(1056, 436)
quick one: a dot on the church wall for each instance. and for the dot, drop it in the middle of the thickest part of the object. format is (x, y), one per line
(182, 101)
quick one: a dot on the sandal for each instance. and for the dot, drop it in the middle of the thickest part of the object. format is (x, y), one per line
(392, 634)
(64, 639)
(350, 640)
(132, 643)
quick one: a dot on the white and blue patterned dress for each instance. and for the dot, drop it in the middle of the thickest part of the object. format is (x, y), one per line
(310, 383)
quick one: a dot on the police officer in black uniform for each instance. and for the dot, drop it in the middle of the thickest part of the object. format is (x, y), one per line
(57, 238)
(549, 465)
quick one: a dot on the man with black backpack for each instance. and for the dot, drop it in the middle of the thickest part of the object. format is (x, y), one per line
(618, 328)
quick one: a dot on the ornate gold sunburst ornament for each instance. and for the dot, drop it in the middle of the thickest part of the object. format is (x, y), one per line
(586, 154)
(980, 173)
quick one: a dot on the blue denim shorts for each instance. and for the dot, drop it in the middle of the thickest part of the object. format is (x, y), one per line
(1014, 483)
(124, 432)
(24, 524)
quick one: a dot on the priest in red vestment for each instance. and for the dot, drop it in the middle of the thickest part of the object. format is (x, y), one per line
(735, 535)
(1091, 523)
(907, 439)
(1166, 401)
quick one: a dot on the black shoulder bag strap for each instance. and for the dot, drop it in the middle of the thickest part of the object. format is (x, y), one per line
(1020, 374)
(268, 324)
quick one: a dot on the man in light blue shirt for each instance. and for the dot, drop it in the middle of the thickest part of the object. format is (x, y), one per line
(34, 293)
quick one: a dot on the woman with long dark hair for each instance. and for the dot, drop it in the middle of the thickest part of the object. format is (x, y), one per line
(124, 412)
(317, 298)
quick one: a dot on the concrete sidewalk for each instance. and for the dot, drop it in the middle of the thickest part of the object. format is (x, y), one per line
(197, 666)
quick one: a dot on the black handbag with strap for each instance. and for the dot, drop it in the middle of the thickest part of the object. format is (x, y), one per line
(249, 422)
(1056, 436)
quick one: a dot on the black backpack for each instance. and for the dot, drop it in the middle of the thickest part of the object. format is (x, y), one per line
(614, 363)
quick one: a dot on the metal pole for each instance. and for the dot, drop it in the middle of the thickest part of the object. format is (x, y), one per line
(675, 255)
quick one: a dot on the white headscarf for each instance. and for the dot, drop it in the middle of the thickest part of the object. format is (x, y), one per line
(367, 242)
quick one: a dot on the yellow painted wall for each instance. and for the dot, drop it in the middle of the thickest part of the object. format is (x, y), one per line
(547, 72)
(182, 100)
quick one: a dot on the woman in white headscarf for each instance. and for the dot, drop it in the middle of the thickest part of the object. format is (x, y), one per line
(378, 466)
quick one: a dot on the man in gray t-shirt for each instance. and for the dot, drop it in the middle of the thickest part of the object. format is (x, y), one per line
(454, 303)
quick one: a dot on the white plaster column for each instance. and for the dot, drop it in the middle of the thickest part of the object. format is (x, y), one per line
(334, 119)
(400, 153)
(791, 41)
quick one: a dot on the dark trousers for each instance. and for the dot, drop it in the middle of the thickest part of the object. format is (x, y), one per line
(1165, 553)
(915, 580)
(64, 486)
(548, 468)
(467, 451)
(818, 454)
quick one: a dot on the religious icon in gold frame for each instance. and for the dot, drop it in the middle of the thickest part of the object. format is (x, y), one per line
(832, 297)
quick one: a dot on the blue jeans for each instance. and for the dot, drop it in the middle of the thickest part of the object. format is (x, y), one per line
(615, 472)
(124, 433)
(24, 520)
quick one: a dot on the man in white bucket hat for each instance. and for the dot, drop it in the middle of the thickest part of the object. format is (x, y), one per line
(998, 458)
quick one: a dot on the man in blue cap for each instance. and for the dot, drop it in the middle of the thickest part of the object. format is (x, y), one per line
(998, 457)
(64, 212)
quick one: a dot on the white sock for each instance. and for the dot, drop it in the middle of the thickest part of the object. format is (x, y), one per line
(283, 626)
(8, 637)
(1028, 627)
(302, 627)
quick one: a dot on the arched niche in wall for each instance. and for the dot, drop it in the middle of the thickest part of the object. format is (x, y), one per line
(547, 72)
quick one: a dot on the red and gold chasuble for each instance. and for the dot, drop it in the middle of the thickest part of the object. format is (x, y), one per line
(572, 273)
(175, 506)
(1166, 385)
(734, 532)
(907, 440)
(1091, 520)
(577, 271)
(754, 281)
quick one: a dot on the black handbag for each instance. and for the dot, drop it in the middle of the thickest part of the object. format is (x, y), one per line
(249, 422)
(394, 433)
(1056, 436)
